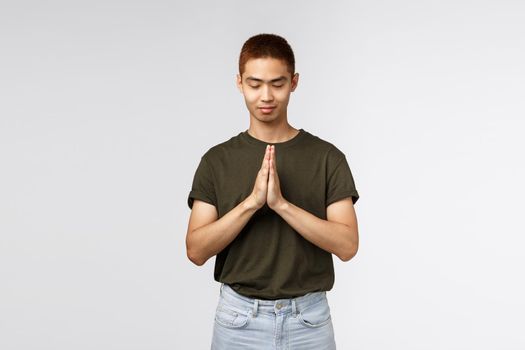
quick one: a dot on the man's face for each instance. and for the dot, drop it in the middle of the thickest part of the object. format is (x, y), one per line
(266, 82)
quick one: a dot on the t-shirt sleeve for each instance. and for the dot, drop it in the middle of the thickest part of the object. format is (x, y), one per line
(202, 187)
(340, 182)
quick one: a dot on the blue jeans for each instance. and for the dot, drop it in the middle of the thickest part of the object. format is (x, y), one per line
(285, 324)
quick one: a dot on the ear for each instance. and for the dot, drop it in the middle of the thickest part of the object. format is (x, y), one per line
(238, 81)
(295, 81)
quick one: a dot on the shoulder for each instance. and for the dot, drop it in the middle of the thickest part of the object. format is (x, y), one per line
(224, 148)
(325, 146)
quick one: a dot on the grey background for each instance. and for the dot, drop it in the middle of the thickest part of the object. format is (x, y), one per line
(107, 106)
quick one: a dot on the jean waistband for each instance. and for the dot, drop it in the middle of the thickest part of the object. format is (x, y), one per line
(294, 305)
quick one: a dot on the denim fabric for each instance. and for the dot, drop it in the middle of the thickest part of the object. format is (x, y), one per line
(302, 323)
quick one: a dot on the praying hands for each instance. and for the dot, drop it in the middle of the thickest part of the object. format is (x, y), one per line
(267, 187)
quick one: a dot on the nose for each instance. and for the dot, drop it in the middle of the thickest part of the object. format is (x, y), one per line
(266, 94)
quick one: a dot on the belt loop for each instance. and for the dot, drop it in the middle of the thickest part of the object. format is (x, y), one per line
(255, 306)
(294, 308)
(222, 285)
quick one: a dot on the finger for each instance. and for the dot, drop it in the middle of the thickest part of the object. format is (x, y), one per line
(272, 154)
(267, 159)
(266, 155)
(267, 163)
(269, 154)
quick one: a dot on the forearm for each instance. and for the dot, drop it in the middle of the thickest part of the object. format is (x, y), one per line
(334, 237)
(209, 240)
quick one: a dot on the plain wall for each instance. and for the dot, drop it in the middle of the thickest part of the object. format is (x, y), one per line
(107, 106)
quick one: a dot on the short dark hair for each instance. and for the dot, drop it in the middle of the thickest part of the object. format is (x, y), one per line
(267, 45)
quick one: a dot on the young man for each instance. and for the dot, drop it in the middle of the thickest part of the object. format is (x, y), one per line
(273, 203)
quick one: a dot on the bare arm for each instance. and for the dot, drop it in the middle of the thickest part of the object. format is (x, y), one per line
(208, 236)
(337, 235)
(205, 241)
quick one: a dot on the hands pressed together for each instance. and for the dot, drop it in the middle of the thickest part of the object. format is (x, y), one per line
(267, 188)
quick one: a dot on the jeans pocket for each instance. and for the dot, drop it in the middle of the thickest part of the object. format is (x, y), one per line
(315, 315)
(229, 317)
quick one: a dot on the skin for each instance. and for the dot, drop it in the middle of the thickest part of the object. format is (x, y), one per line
(207, 235)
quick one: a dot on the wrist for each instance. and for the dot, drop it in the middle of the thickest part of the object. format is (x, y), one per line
(250, 203)
(281, 205)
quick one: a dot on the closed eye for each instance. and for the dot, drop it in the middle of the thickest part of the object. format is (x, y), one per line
(257, 86)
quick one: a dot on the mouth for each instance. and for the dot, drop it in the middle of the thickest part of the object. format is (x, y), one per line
(267, 109)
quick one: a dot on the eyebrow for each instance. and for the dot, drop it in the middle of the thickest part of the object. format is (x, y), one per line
(282, 77)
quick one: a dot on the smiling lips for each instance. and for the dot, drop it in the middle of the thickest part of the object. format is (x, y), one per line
(267, 110)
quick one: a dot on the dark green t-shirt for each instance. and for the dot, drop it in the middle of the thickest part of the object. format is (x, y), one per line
(269, 259)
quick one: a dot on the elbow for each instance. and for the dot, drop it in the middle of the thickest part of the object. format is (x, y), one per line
(348, 254)
(194, 258)
(198, 262)
(192, 253)
(346, 258)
